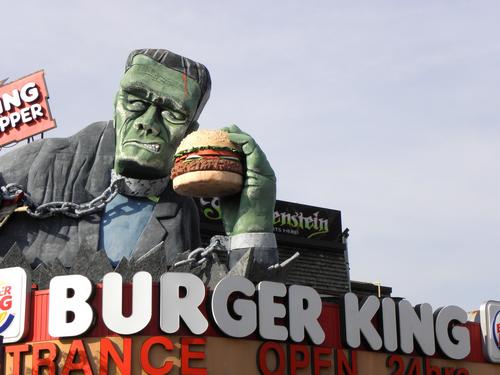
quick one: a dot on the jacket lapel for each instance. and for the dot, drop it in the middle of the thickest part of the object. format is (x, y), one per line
(157, 229)
(88, 232)
(97, 181)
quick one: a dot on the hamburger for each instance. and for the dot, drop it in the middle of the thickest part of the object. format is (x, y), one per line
(207, 164)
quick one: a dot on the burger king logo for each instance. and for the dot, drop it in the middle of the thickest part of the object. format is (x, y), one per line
(13, 304)
(6, 315)
(495, 329)
(490, 328)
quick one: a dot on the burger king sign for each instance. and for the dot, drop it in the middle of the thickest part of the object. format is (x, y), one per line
(13, 301)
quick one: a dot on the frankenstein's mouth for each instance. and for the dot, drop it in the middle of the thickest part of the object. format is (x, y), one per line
(152, 147)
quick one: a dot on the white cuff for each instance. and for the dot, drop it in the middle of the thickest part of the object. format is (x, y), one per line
(257, 240)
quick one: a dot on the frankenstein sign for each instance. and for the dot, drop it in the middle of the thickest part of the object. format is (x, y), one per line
(290, 219)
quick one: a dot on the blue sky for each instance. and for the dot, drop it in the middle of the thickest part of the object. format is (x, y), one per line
(386, 110)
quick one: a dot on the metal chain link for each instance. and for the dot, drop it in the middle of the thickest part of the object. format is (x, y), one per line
(200, 254)
(285, 263)
(70, 209)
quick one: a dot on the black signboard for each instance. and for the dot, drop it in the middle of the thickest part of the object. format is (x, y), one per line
(291, 220)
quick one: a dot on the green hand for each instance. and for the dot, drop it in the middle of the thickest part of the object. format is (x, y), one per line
(253, 209)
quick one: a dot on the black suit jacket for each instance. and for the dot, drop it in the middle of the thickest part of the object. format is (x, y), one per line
(77, 169)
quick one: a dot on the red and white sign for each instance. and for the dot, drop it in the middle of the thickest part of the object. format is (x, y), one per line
(24, 109)
(490, 327)
(13, 301)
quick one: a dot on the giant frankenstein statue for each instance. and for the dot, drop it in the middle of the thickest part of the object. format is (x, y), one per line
(158, 103)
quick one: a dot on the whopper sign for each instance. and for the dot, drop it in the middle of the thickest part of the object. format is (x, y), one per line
(177, 326)
(24, 109)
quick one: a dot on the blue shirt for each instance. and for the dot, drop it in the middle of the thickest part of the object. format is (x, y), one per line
(122, 224)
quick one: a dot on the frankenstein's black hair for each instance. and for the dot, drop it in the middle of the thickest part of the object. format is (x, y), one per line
(192, 69)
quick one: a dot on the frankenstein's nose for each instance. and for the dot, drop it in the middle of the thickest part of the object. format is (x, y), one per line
(147, 122)
(147, 128)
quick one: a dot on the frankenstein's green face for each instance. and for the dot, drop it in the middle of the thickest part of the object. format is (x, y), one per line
(154, 111)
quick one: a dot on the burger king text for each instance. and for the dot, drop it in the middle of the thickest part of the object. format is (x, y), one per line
(20, 99)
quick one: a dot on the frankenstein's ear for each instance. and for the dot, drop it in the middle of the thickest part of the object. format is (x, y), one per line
(193, 127)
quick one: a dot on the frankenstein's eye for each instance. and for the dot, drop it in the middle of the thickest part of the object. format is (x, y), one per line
(174, 117)
(136, 105)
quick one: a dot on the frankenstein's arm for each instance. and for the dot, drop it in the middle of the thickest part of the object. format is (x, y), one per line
(248, 217)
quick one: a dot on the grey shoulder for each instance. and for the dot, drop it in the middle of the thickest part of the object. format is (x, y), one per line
(83, 141)
(91, 134)
(95, 139)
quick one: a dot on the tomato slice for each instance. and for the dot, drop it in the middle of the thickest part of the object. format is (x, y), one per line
(209, 153)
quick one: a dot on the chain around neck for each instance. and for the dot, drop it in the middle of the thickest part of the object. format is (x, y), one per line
(135, 187)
